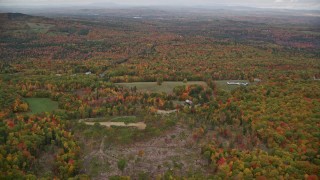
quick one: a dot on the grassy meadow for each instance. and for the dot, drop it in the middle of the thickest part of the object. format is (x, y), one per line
(39, 105)
(166, 86)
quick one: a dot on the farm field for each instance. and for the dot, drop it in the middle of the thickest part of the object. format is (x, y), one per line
(166, 86)
(39, 105)
(40, 27)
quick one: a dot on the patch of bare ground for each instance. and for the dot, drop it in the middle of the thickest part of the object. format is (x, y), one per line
(175, 151)
(46, 162)
(139, 125)
(163, 112)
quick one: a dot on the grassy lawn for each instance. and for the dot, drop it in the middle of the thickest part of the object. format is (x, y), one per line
(38, 105)
(223, 84)
(39, 27)
(125, 119)
(167, 86)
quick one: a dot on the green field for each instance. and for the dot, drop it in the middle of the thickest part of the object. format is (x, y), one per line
(38, 105)
(40, 27)
(125, 119)
(166, 86)
(223, 84)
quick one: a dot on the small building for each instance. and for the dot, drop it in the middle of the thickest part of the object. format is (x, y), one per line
(188, 102)
(88, 73)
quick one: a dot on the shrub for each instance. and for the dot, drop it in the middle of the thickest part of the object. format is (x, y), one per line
(122, 164)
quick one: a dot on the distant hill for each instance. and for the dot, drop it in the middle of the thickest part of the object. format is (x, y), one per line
(15, 16)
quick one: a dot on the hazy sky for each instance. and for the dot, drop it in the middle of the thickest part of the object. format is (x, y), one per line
(295, 4)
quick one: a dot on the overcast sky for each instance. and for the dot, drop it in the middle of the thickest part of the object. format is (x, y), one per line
(290, 4)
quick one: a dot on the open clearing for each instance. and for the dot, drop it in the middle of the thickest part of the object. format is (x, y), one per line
(166, 86)
(38, 105)
(139, 125)
(175, 150)
(124, 121)
(223, 84)
(163, 112)
(40, 27)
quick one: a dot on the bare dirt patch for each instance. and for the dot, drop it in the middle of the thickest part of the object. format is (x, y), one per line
(175, 151)
(139, 125)
(163, 112)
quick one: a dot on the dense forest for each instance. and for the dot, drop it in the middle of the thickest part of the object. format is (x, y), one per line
(167, 95)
